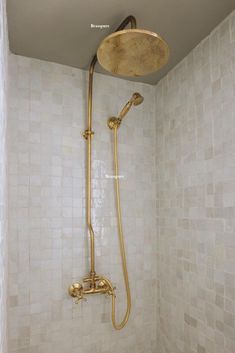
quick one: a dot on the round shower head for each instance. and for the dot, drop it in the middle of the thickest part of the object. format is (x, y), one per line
(137, 98)
(133, 52)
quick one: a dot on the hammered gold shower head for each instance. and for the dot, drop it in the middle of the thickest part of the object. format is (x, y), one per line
(133, 52)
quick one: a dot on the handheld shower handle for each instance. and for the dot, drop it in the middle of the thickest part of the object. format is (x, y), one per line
(114, 122)
(136, 99)
(125, 110)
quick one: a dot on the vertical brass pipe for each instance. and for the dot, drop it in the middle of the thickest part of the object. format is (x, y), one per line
(88, 136)
(89, 152)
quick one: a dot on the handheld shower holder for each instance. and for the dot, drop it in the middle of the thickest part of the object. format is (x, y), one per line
(114, 122)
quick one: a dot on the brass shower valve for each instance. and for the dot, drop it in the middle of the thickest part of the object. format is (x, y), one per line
(76, 291)
(93, 285)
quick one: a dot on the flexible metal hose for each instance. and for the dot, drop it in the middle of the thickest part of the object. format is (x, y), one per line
(121, 244)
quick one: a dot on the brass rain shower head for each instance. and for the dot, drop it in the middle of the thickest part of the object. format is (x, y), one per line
(133, 52)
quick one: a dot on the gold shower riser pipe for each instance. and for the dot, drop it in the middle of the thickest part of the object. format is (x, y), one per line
(88, 136)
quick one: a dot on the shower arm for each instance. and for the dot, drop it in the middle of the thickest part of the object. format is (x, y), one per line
(88, 134)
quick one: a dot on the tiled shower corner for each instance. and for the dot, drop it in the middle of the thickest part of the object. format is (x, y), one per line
(195, 156)
(177, 161)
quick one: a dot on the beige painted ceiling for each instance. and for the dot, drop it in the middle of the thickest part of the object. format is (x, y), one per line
(60, 30)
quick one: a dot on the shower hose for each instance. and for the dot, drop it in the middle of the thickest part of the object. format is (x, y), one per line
(121, 243)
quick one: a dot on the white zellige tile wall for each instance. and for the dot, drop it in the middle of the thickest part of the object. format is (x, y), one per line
(48, 247)
(3, 220)
(195, 147)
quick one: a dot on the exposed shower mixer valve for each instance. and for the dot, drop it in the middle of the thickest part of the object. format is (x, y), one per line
(93, 285)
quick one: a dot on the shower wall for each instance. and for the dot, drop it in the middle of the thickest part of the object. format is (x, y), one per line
(3, 200)
(48, 247)
(195, 165)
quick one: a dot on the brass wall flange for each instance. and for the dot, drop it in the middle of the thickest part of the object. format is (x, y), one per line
(114, 122)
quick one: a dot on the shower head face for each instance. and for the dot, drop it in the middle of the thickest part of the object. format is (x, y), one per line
(137, 98)
(133, 52)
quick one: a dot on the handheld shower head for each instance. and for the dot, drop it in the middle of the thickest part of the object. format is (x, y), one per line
(136, 99)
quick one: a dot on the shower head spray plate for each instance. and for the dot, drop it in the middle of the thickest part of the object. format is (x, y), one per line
(133, 52)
